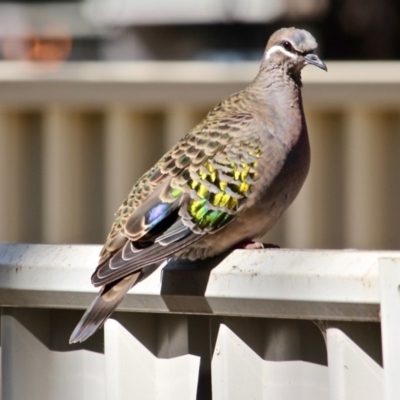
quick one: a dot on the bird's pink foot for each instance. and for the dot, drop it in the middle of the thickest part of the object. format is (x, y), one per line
(250, 245)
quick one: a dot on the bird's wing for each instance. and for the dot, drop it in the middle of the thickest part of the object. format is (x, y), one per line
(196, 189)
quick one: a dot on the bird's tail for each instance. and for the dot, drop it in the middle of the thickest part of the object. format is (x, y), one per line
(102, 307)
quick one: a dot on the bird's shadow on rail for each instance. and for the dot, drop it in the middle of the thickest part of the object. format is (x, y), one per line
(184, 284)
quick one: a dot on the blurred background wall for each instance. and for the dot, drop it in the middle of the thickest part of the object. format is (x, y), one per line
(93, 92)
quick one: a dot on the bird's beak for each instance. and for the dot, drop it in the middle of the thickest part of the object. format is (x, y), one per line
(313, 59)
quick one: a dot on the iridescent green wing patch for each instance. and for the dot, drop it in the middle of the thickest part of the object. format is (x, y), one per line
(219, 186)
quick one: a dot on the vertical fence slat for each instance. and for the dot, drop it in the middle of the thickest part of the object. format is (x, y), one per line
(391, 191)
(367, 145)
(33, 370)
(25, 359)
(179, 119)
(132, 371)
(11, 142)
(133, 143)
(62, 171)
(69, 193)
(19, 177)
(352, 373)
(389, 273)
(239, 373)
(326, 179)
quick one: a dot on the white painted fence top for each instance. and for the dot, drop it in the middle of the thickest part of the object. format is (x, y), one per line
(261, 283)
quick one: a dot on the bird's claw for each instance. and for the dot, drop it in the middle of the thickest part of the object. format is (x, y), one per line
(250, 245)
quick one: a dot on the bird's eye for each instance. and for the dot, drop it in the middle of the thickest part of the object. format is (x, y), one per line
(287, 46)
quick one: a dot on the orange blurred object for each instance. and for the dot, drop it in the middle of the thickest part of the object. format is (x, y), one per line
(52, 45)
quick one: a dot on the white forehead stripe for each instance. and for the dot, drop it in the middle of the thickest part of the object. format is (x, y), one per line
(274, 49)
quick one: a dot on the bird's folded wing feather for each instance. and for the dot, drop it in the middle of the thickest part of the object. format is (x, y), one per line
(195, 189)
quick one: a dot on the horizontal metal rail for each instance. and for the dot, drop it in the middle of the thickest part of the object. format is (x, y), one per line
(342, 285)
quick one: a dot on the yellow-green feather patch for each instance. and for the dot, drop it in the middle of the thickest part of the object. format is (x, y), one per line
(203, 212)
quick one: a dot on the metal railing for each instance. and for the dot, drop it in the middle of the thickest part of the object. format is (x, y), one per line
(74, 139)
(252, 324)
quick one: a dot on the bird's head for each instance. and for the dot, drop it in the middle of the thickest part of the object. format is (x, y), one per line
(293, 49)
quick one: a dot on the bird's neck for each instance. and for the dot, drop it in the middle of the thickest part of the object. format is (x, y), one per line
(278, 96)
(274, 81)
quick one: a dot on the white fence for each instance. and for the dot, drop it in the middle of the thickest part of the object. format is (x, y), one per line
(268, 324)
(73, 140)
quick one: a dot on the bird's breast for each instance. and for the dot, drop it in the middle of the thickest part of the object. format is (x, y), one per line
(283, 170)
